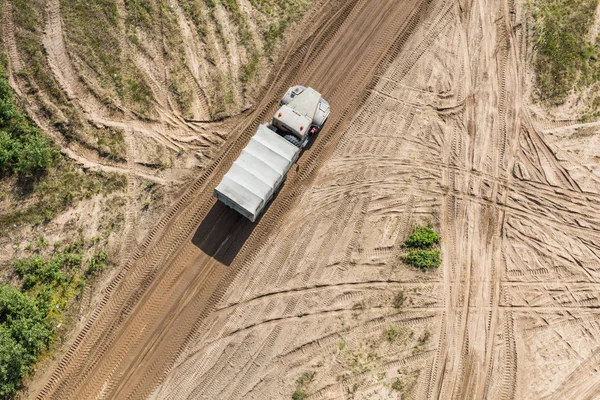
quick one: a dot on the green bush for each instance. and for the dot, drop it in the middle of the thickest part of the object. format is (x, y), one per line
(24, 149)
(422, 238)
(23, 334)
(98, 262)
(423, 259)
(28, 317)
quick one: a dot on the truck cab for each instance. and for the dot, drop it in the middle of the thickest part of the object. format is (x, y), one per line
(303, 113)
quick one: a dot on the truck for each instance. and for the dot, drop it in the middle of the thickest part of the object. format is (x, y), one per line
(261, 169)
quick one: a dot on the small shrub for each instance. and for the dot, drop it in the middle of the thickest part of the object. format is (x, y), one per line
(422, 238)
(397, 385)
(302, 382)
(423, 259)
(399, 299)
(23, 334)
(306, 378)
(392, 333)
(98, 262)
(424, 338)
(299, 394)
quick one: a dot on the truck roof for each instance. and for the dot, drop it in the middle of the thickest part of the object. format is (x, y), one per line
(259, 170)
(306, 103)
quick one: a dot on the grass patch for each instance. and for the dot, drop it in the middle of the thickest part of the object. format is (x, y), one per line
(394, 333)
(283, 12)
(240, 20)
(111, 143)
(564, 58)
(139, 13)
(250, 69)
(84, 20)
(43, 197)
(299, 394)
(101, 54)
(28, 18)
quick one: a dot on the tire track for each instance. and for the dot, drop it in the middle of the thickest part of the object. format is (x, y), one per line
(10, 43)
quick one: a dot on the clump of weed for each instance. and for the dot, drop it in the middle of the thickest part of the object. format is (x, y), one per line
(397, 385)
(399, 299)
(98, 262)
(424, 338)
(301, 384)
(393, 333)
(423, 259)
(422, 251)
(423, 237)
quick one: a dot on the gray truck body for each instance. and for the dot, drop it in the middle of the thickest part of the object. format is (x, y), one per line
(260, 170)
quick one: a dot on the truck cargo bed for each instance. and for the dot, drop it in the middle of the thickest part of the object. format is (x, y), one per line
(258, 173)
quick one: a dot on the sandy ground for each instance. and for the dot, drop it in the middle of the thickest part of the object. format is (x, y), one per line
(429, 125)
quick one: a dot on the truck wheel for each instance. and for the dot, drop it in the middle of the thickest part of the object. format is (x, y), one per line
(293, 140)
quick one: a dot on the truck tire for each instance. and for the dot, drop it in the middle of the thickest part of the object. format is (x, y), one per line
(293, 140)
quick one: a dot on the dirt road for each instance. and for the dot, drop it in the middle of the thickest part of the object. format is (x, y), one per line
(161, 299)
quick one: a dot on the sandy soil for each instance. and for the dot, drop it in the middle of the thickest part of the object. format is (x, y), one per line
(429, 125)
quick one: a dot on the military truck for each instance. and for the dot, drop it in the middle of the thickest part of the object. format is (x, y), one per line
(262, 167)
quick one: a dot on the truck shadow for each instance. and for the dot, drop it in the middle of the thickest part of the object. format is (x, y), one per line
(222, 233)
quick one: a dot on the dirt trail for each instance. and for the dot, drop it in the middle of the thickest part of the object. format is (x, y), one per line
(155, 306)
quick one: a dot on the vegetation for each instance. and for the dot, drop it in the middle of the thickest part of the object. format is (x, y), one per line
(23, 334)
(392, 333)
(24, 149)
(28, 15)
(302, 382)
(565, 58)
(45, 197)
(138, 13)
(103, 54)
(423, 237)
(399, 299)
(299, 394)
(397, 385)
(240, 20)
(291, 10)
(30, 315)
(423, 259)
(111, 143)
(422, 249)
